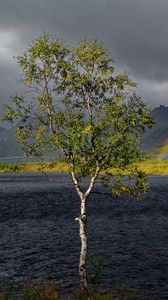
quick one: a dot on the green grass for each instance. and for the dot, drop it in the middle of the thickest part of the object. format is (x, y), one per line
(149, 166)
(35, 167)
(154, 167)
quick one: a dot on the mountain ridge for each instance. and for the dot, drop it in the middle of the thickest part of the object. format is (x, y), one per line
(152, 139)
(155, 137)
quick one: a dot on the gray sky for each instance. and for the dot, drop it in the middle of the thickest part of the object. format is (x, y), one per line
(135, 31)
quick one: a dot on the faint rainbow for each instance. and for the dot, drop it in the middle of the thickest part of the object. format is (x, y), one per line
(163, 151)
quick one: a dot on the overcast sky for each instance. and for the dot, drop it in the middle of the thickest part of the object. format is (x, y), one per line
(135, 31)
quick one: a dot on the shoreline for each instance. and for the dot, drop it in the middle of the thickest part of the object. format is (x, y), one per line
(149, 167)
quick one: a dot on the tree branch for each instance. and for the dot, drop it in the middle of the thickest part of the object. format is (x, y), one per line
(92, 182)
(76, 182)
(102, 193)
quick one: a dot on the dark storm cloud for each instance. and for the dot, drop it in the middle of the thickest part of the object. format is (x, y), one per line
(134, 30)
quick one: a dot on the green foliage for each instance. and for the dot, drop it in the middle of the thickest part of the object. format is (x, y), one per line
(120, 294)
(10, 168)
(79, 107)
(97, 265)
(94, 296)
(48, 292)
(103, 296)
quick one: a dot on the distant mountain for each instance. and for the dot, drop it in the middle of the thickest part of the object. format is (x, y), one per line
(157, 136)
(3, 132)
(8, 143)
(151, 140)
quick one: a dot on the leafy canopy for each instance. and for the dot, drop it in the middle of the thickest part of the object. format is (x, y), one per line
(79, 107)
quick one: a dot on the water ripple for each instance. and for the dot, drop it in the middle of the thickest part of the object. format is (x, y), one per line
(39, 237)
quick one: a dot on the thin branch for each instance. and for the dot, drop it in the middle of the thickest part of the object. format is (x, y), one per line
(102, 193)
(76, 182)
(92, 182)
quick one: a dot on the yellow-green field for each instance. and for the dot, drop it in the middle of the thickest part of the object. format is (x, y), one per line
(35, 167)
(149, 166)
(154, 167)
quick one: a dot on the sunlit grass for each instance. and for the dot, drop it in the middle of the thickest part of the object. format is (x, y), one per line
(44, 167)
(154, 167)
(35, 167)
(148, 166)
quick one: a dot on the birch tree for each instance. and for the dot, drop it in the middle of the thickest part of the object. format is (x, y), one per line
(79, 107)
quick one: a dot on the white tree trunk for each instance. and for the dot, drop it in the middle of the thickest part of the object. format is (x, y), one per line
(83, 254)
(82, 226)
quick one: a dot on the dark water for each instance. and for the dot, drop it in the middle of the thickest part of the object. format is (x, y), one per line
(39, 237)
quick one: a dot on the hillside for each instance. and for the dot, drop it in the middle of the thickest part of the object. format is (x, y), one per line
(157, 136)
(3, 133)
(8, 144)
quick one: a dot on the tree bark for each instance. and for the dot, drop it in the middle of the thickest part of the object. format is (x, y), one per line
(83, 253)
(82, 219)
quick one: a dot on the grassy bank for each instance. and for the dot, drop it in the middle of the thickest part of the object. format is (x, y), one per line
(50, 291)
(150, 167)
(32, 167)
(154, 167)
(49, 294)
